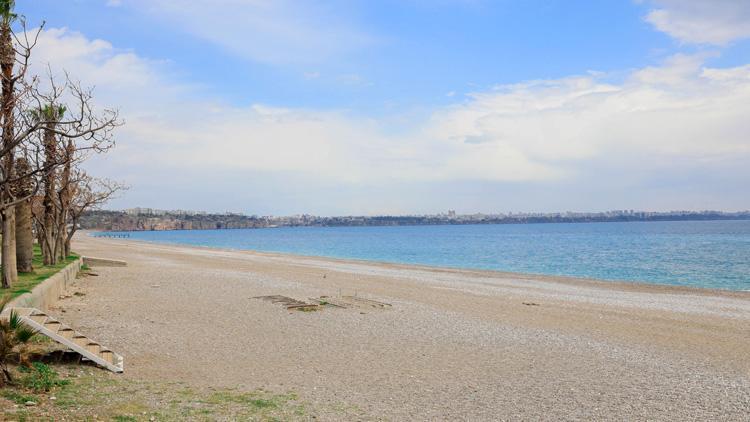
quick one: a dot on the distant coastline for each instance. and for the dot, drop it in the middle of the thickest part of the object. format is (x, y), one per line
(139, 219)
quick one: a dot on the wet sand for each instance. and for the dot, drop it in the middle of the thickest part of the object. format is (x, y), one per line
(455, 345)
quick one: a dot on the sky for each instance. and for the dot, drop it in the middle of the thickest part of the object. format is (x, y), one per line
(413, 106)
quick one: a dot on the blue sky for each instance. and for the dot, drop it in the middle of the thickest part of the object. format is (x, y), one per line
(415, 54)
(364, 107)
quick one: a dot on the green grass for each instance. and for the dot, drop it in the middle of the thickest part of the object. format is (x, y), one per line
(90, 394)
(27, 281)
(40, 377)
(253, 399)
(93, 394)
(126, 418)
(16, 397)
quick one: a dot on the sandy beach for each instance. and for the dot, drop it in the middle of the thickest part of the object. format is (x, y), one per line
(454, 345)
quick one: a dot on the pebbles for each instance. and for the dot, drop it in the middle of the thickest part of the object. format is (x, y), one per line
(456, 345)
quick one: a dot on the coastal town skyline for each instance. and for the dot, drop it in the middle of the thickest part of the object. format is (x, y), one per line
(149, 219)
(448, 213)
(490, 105)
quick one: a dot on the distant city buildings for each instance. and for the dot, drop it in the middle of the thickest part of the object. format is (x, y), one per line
(155, 219)
(156, 212)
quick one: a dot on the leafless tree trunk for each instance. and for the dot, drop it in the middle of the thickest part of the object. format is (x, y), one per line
(48, 223)
(64, 199)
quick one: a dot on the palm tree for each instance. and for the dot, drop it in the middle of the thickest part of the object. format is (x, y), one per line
(7, 103)
(49, 115)
(24, 218)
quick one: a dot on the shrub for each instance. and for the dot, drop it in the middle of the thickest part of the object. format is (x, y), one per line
(41, 377)
(14, 335)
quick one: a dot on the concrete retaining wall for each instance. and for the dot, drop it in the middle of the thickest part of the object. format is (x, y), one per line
(93, 261)
(46, 293)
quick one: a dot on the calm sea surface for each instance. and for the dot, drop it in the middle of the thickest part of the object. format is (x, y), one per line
(714, 254)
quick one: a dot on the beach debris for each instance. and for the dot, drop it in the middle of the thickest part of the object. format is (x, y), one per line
(86, 272)
(288, 302)
(325, 301)
(315, 303)
(350, 302)
(530, 304)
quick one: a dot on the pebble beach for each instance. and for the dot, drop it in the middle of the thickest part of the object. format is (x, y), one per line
(451, 345)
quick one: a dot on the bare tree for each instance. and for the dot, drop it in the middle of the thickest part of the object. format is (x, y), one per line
(88, 193)
(14, 62)
(69, 135)
(85, 193)
(51, 114)
(64, 198)
(35, 118)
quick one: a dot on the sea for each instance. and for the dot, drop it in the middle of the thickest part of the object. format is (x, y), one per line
(706, 254)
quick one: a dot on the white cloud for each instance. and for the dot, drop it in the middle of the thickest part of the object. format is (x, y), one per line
(97, 63)
(268, 31)
(680, 115)
(716, 22)
(678, 111)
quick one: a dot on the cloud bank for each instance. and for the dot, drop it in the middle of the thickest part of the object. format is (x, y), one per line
(716, 22)
(679, 118)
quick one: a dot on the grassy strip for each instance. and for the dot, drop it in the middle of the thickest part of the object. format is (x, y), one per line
(27, 281)
(93, 394)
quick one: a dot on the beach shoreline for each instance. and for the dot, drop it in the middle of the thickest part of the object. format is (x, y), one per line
(456, 344)
(640, 285)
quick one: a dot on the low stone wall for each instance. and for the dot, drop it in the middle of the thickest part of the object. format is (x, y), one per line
(46, 293)
(93, 261)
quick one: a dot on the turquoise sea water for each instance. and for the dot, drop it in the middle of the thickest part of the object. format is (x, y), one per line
(712, 254)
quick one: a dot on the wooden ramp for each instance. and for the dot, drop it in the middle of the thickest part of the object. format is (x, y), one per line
(67, 336)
